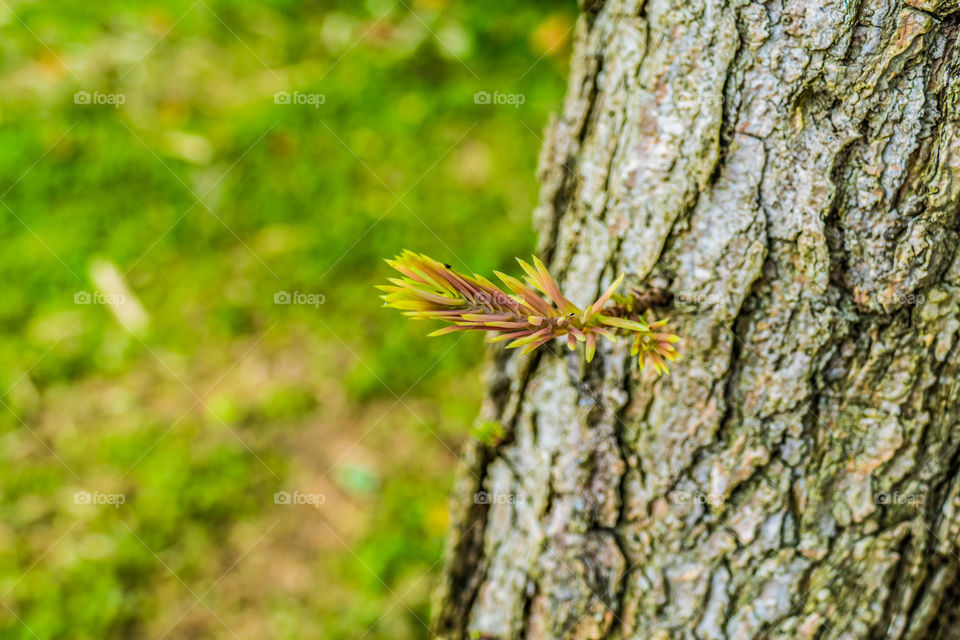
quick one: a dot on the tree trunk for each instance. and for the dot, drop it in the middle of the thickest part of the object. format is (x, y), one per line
(790, 171)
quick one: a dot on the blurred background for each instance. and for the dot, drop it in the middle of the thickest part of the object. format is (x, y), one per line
(210, 426)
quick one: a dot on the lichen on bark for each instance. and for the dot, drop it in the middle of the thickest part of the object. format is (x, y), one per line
(790, 170)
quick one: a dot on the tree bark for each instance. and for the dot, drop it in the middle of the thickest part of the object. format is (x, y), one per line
(790, 172)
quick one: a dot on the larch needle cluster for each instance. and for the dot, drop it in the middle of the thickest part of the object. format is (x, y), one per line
(434, 291)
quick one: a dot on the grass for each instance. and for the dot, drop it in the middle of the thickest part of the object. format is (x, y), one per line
(202, 198)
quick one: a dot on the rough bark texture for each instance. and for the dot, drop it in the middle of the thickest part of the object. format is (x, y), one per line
(790, 171)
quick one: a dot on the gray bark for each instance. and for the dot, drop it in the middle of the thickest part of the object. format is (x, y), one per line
(790, 171)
